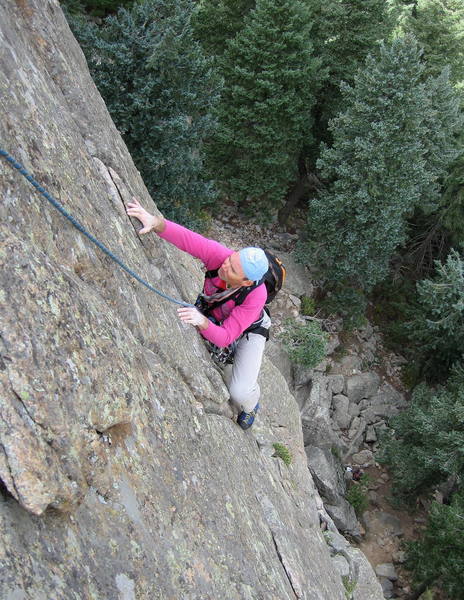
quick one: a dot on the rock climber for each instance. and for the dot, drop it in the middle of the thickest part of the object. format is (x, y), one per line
(243, 322)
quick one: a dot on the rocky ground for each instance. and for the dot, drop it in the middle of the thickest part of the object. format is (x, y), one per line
(345, 403)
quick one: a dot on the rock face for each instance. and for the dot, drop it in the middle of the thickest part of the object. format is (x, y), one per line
(119, 481)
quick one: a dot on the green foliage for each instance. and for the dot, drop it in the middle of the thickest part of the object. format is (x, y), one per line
(349, 585)
(282, 452)
(95, 7)
(395, 304)
(345, 32)
(265, 110)
(411, 375)
(305, 343)
(439, 324)
(384, 162)
(336, 452)
(308, 306)
(438, 25)
(427, 595)
(219, 21)
(348, 302)
(160, 90)
(357, 495)
(428, 441)
(438, 557)
(452, 212)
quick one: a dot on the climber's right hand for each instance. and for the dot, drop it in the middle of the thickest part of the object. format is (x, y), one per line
(150, 222)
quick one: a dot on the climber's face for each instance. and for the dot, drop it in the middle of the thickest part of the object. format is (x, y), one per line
(231, 271)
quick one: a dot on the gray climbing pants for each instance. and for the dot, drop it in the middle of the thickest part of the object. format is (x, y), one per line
(242, 377)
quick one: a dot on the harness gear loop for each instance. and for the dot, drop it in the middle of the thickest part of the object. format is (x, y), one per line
(60, 208)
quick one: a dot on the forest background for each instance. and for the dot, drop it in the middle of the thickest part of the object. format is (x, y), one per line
(349, 111)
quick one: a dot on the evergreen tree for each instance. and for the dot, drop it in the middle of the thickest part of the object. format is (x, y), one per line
(439, 325)
(217, 21)
(159, 89)
(427, 445)
(437, 558)
(345, 32)
(390, 148)
(452, 212)
(264, 112)
(438, 25)
(94, 7)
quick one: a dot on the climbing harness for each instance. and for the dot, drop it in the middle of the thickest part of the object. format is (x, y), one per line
(82, 229)
(274, 278)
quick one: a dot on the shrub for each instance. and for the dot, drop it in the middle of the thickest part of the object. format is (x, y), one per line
(349, 586)
(357, 495)
(282, 452)
(305, 343)
(308, 306)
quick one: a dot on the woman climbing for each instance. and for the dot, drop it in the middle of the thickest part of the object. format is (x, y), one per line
(231, 307)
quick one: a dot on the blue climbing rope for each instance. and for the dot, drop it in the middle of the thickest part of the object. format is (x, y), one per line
(82, 229)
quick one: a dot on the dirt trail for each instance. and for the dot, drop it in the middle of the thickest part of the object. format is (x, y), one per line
(380, 544)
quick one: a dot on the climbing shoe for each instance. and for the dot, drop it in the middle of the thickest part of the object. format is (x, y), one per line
(246, 419)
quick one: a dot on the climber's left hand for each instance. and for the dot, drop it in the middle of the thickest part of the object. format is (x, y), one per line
(189, 314)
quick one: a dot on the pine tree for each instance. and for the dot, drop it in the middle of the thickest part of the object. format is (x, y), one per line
(439, 324)
(217, 21)
(437, 558)
(97, 8)
(345, 32)
(438, 25)
(425, 449)
(386, 160)
(159, 89)
(265, 109)
(452, 202)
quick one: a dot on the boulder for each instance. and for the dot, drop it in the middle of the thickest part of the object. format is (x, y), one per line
(367, 585)
(387, 587)
(387, 395)
(356, 436)
(298, 280)
(361, 386)
(341, 415)
(327, 473)
(378, 520)
(337, 383)
(348, 365)
(386, 570)
(302, 375)
(344, 517)
(341, 565)
(354, 410)
(337, 543)
(364, 458)
(366, 332)
(333, 344)
(372, 414)
(371, 436)
(315, 416)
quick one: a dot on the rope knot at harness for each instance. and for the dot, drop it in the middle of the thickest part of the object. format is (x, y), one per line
(60, 208)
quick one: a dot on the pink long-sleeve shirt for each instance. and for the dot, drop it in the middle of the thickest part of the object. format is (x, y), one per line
(234, 319)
